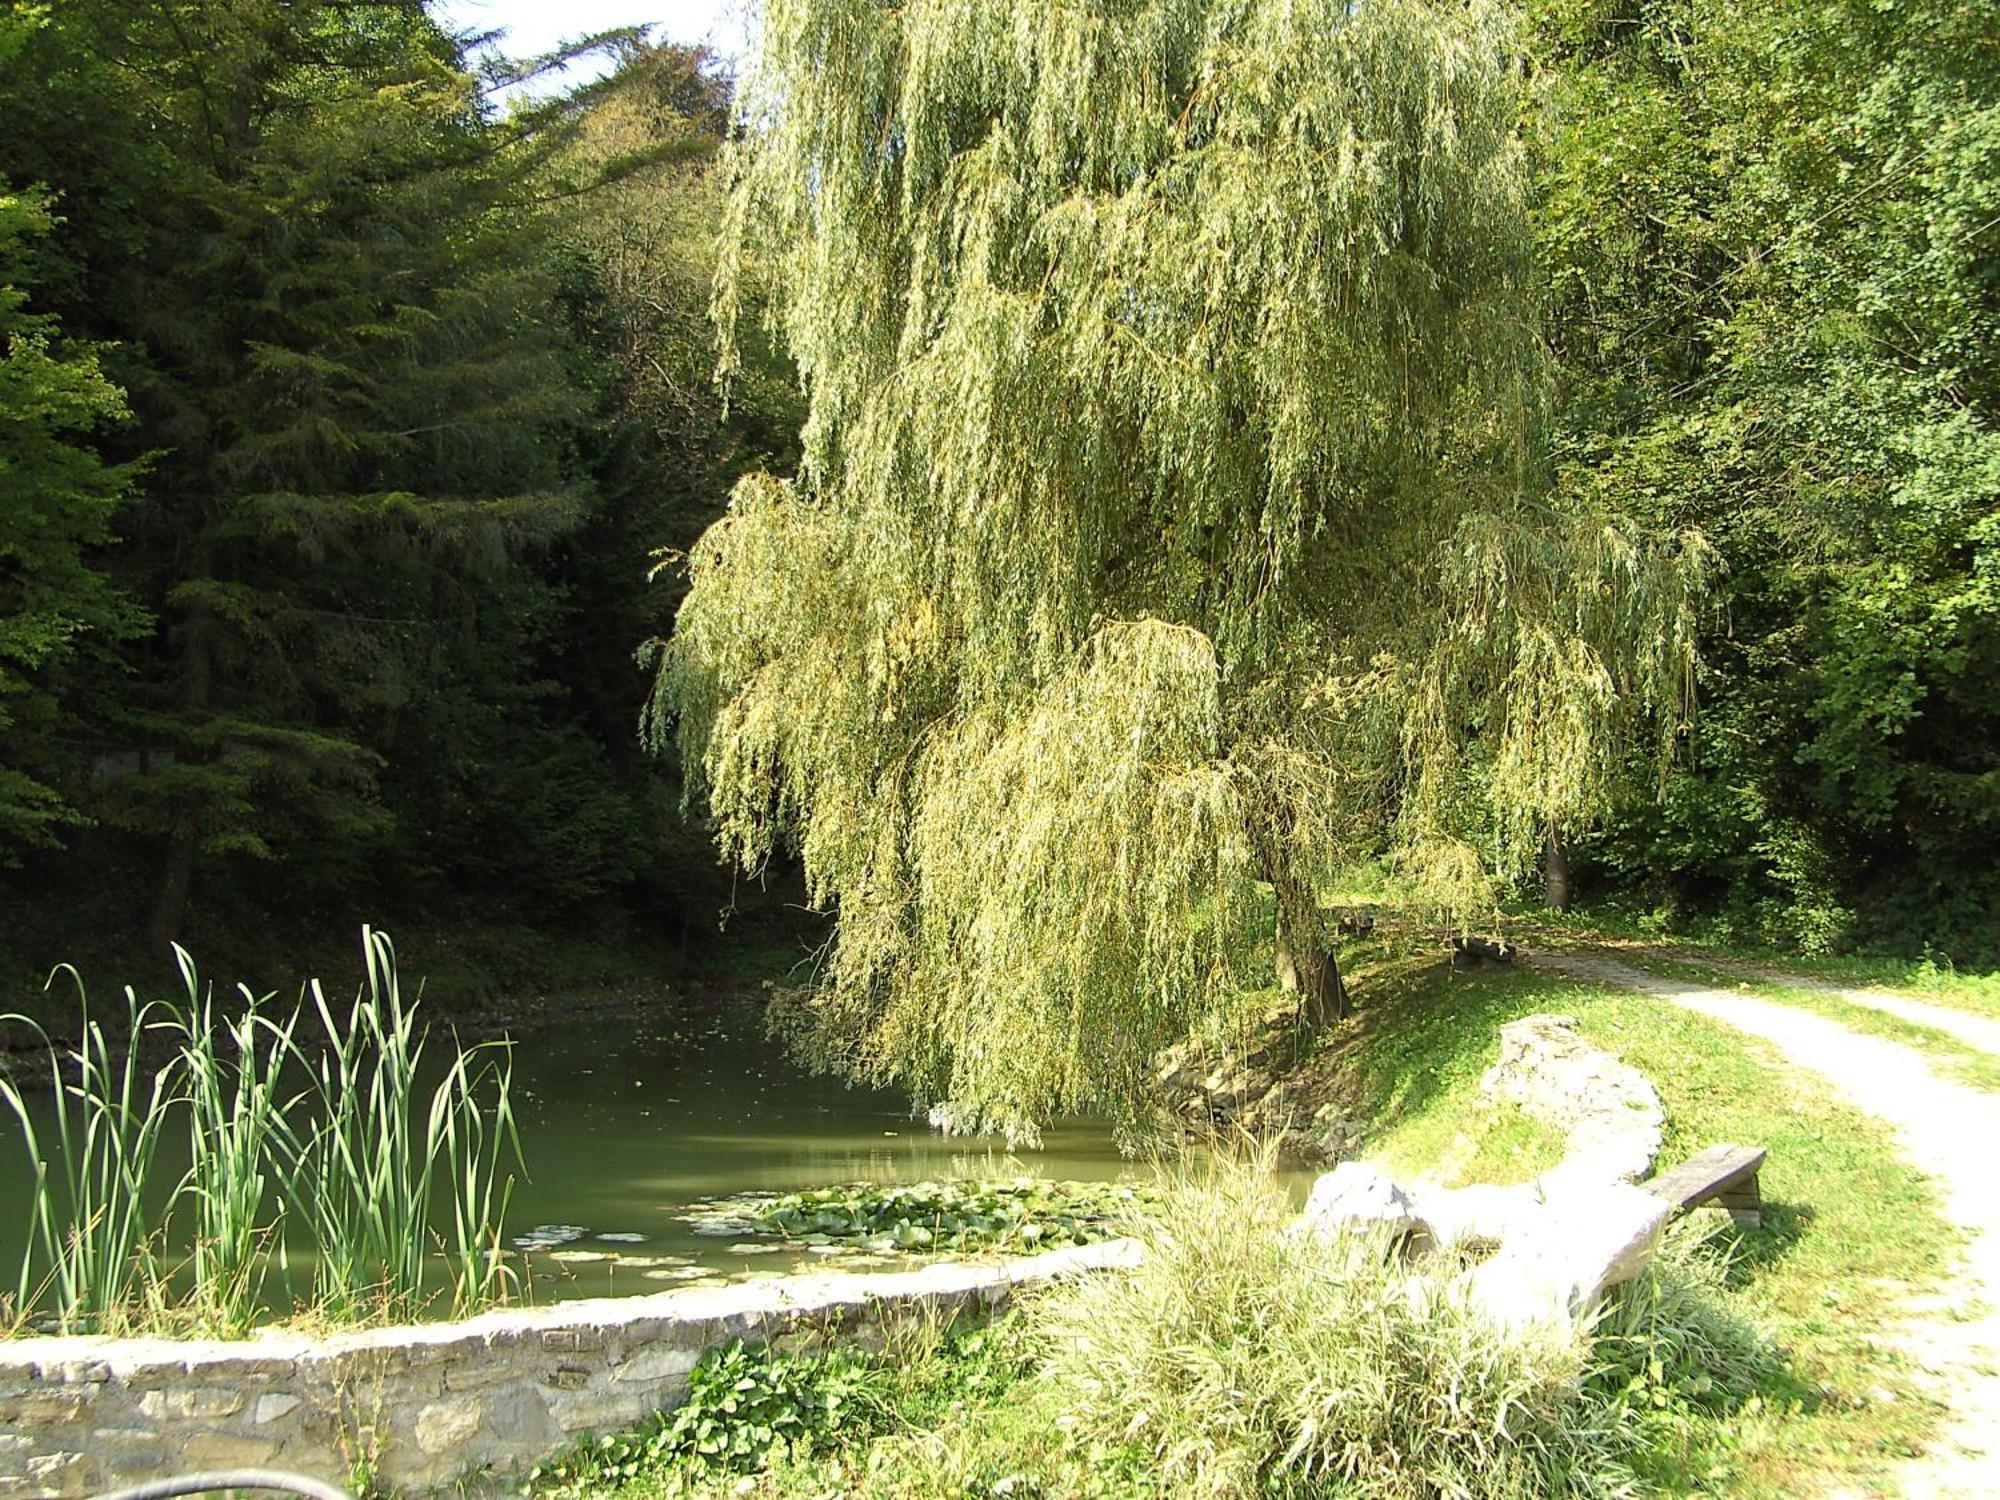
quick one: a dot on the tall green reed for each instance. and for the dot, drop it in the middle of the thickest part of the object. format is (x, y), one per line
(473, 1147)
(367, 1175)
(379, 1177)
(238, 1120)
(91, 1261)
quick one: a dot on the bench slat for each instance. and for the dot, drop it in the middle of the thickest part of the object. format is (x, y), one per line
(1711, 1173)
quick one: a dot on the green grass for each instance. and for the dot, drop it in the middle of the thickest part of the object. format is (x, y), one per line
(1965, 1064)
(1479, 1140)
(1851, 1231)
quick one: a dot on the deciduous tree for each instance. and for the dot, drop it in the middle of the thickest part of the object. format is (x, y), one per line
(57, 501)
(1171, 527)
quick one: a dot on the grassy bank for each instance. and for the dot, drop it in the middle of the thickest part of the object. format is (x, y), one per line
(1765, 1370)
(1850, 1233)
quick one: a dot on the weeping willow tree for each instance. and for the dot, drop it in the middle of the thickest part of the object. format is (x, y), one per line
(1169, 530)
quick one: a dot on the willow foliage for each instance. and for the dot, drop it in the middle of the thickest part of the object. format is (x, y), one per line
(1166, 525)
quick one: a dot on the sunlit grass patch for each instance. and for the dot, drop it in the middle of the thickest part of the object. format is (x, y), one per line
(1957, 1060)
(1851, 1229)
(1930, 978)
(1477, 1140)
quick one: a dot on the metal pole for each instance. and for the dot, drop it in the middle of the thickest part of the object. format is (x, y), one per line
(230, 1479)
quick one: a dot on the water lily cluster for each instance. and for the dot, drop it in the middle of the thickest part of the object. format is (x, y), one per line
(1022, 1214)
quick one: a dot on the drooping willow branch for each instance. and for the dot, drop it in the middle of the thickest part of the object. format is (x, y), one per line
(1170, 528)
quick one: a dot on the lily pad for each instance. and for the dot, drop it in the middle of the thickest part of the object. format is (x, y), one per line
(1017, 1215)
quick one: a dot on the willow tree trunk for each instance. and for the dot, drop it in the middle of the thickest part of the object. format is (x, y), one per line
(1305, 965)
(1555, 871)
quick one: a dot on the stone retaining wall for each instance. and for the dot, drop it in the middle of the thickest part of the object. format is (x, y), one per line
(423, 1406)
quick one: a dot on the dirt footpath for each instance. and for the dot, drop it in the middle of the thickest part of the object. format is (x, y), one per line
(1951, 1132)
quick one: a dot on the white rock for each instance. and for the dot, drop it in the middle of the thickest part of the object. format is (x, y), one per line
(1356, 1195)
(1608, 1110)
(1484, 1211)
(209, 1402)
(1557, 1264)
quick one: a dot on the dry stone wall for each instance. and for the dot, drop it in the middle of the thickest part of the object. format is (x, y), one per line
(423, 1406)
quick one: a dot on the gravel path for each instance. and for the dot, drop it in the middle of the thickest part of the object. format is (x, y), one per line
(1949, 1131)
(1976, 1032)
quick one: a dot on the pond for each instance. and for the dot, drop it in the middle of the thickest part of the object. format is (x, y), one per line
(630, 1124)
(627, 1126)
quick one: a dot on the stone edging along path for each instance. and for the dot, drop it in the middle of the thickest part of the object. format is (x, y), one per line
(1949, 1131)
(430, 1404)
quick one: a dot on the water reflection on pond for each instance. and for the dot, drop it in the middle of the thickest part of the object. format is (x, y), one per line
(625, 1124)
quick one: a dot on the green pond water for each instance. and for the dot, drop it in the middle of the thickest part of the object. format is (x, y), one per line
(624, 1130)
(629, 1124)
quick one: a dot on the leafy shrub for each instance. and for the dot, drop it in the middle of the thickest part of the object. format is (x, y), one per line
(744, 1404)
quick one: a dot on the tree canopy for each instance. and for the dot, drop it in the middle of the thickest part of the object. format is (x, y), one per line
(57, 501)
(1171, 527)
(329, 467)
(1771, 235)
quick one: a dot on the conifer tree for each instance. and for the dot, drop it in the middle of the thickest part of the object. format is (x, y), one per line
(57, 500)
(1170, 528)
(322, 257)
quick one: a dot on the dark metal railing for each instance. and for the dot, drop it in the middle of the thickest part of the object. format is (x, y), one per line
(266, 1480)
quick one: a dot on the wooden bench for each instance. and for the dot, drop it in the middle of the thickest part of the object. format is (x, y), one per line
(1723, 1174)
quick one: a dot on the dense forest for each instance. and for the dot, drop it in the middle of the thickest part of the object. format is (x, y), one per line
(346, 408)
(358, 405)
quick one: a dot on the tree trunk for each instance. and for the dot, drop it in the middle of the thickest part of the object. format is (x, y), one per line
(1555, 871)
(1305, 966)
(1286, 965)
(177, 874)
(176, 883)
(1322, 994)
